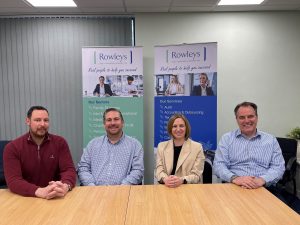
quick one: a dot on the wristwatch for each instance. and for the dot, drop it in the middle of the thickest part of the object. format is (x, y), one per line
(232, 178)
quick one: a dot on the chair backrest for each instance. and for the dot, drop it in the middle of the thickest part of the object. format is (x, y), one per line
(289, 151)
(207, 172)
(2, 178)
(210, 154)
(288, 147)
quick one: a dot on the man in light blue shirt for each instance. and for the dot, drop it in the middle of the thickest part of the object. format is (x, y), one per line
(248, 157)
(114, 158)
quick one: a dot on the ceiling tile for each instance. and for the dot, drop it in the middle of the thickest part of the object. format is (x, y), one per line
(147, 9)
(13, 4)
(103, 10)
(99, 3)
(199, 3)
(191, 9)
(13, 7)
(147, 3)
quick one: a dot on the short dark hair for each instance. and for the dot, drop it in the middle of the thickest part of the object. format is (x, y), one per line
(110, 110)
(187, 125)
(102, 77)
(245, 104)
(130, 78)
(35, 107)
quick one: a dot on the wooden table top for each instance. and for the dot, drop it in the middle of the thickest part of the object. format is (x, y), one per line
(218, 204)
(83, 205)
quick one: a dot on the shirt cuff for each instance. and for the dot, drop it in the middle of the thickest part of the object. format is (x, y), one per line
(268, 182)
(228, 177)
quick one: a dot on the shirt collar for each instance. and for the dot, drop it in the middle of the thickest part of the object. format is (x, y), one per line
(47, 138)
(238, 134)
(122, 138)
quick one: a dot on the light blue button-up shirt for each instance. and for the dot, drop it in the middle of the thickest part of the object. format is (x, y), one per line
(259, 156)
(104, 163)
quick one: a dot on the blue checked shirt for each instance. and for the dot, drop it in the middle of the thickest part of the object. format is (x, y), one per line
(259, 156)
(104, 163)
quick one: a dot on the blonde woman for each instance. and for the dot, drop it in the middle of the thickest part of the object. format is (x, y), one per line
(174, 86)
(179, 160)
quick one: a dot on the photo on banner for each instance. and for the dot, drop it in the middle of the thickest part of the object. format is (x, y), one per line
(112, 77)
(185, 82)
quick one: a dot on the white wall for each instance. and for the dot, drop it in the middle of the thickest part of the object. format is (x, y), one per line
(258, 60)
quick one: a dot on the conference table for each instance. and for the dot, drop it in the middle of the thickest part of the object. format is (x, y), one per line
(218, 204)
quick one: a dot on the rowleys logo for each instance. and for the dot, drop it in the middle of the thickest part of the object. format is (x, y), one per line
(186, 56)
(114, 58)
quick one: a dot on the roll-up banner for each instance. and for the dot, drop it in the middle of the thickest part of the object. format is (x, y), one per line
(185, 81)
(112, 77)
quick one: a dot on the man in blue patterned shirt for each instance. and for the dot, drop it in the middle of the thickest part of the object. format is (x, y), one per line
(114, 158)
(248, 157)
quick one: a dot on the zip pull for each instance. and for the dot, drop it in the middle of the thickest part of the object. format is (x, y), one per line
(39, 156)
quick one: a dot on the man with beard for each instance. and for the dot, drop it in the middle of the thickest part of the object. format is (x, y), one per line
(39, 163)
(114, 158)
(247, 156)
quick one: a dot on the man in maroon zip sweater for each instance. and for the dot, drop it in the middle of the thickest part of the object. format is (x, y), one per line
(39, 163)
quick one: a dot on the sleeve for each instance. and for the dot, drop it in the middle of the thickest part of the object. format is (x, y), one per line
(194, 91)
(180, 89)
(221, 160)
(211, 91)
(96, 90)
(13, 173)
(85, 175)
(195, 175)
(66, 165)
(108, 90)
(160, 169)
(136, 173)
(133, 89)
(277, 165)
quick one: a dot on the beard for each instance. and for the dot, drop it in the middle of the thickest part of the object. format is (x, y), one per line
(39, 133)
(114, 130)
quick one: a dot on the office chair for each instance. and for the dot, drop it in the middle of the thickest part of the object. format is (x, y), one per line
(2, 178)
(289, 151)
(207, 172)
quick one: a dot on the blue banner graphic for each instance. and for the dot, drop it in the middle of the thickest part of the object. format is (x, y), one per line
(186, 82)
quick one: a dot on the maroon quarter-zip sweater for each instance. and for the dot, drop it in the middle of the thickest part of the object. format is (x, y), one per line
(28, 166)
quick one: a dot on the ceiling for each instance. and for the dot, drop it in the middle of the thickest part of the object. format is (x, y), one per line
(92, 7)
